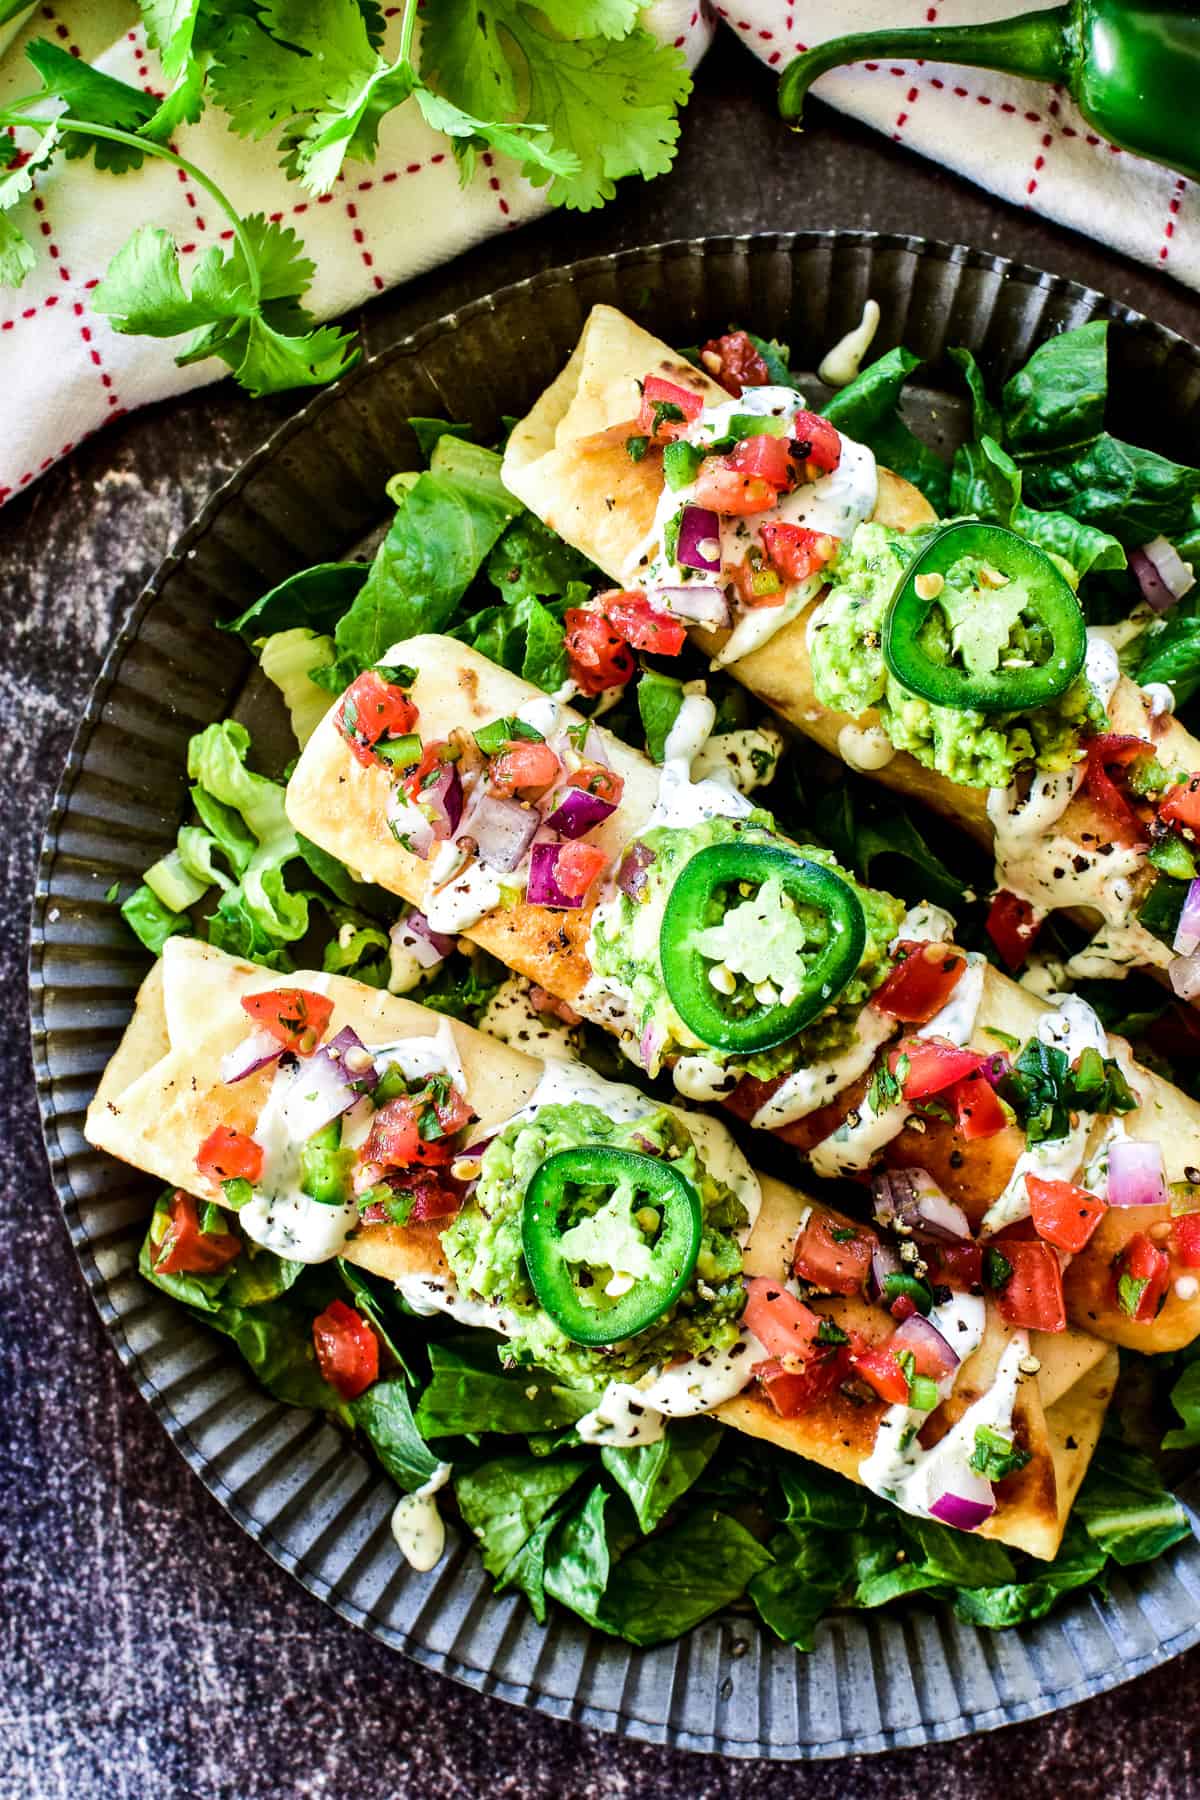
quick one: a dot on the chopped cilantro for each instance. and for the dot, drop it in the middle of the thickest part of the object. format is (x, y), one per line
(997, 1270)
(995, 1455)
(1130, 1289)
(636, 446)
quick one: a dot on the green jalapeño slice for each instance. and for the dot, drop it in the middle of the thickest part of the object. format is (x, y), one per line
(756, 942)
(611, 1238)
(984, 621)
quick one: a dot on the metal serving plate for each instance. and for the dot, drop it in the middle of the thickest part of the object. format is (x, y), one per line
(875, 1680)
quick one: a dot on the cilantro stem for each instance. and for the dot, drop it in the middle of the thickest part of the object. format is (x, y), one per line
(407, 27)
(149, 148)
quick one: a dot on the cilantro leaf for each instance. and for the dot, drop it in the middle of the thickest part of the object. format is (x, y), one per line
(86, 93)
(17, 257)
(613, 104)
(463, 54)
(267, 341)
(528, 142)
(592, 18)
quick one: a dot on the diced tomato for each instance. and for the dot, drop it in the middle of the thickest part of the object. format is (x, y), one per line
(229, 1155)
(1032, 1298)
(524, 769)
(370, 709)
(1013, 926)
(768, 456)
(833, 1266)
(756, 582)
(1182, 805)
(878, 1366)
(795, 552)
(599, 658)
(795, 1391)
(902, 1307)
(187, 1250)
(1109, 750)
(295, 1017)
(429, 1195)
(658, 394)
(921, 982)
(595, 779)
(432, 757)
(959, 1266)
(816, 442)
(1186, 1233)
(934, 1064)
(578, 866)
(631, 614)
(734, 362)
(1063, 1214)
(347, 1349)
(1142, 1260)
(927, 1358)
(723, 490)
(978, 1109)
(783, 1325)
(394, 1140)
(452, 1107)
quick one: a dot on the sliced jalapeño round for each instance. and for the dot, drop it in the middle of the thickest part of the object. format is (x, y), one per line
(666, 1259)
(714, 883)
(1012, 571)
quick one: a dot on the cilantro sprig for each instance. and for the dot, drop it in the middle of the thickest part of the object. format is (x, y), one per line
(575, 91)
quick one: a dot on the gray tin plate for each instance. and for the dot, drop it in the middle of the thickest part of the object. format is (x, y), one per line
(314, 1503)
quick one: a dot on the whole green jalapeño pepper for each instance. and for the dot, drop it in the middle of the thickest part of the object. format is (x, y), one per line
(649, 1182)
(1132, 70)
(1048, 603)
(740, 1021)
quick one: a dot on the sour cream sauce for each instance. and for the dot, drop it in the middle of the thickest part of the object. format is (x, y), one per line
(835, 504)
(865, 1132)
(913, 1478)
(417, 1525)
(281, 1217)
(1072, 1028)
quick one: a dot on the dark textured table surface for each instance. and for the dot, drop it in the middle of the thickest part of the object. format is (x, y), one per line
(147, 1649)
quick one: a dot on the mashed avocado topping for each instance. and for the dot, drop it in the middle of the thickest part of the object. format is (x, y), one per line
(980, 623)
(754, 940)
(604, 1238)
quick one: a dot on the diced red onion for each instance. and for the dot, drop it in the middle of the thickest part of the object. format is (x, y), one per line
(912, 1198)
(442, 801)
(1161, 573)
(503, 831)
(885, 1261)
(1135, 1173)
(697, 526)
(1187, 932)
(415, 935)
(1184, 972)
(254, 1052)
(409, 825)
(971, 1503)
(924, 1339)
(543, 888)
(997, 1068)
(328, 1084)
(578, 811)
(650, 1047)
(631, 876)
(696, 603)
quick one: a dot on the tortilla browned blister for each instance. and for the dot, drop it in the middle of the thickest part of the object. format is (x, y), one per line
(568, 464)
(162, 1094)
(342, 806)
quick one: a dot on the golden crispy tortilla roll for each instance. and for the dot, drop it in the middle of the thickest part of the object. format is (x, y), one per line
(162, 1095)
(342, 806)
(566, 471)
(160, 1107)
(1058, 1412)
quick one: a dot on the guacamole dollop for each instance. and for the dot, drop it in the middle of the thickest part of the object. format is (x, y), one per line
(975, 625)
(624, 949)
(483, 1245)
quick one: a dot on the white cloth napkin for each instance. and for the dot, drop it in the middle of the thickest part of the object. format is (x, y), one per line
(64, 372)
(1021, 139)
